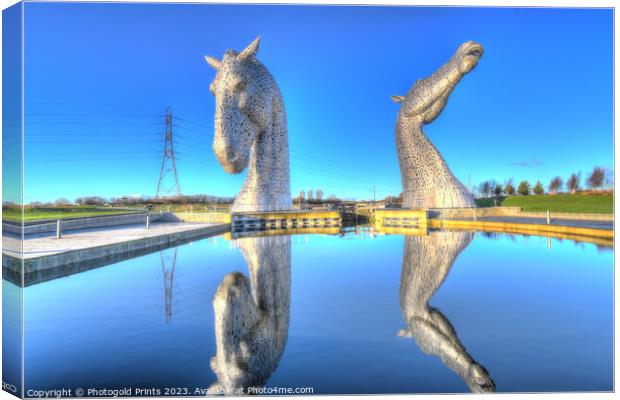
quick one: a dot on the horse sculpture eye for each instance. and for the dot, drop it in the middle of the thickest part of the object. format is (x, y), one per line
(241, 85)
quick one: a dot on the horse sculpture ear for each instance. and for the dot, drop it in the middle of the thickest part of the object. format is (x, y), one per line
(214, 62)
(398, 99)
(249, 52)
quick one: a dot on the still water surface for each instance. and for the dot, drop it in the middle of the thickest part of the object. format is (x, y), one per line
(358, 313)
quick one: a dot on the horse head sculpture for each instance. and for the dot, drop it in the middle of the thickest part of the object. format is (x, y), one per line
(251, 130)
(427, 180)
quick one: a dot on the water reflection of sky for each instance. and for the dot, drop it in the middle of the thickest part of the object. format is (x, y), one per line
(537, 318)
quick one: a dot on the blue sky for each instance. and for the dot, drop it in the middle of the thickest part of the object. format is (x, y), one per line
(98, 79)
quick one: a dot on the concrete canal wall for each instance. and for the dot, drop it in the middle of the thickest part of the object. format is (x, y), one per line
(205, 217)
(123, 237)
(69, 224)
(459, 213)
(515, 221)
(49, 226)
(45, 267)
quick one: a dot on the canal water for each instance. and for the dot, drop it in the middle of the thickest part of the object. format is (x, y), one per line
(353, 313)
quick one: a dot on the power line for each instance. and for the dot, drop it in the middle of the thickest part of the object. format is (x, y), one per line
(107, 153)
(92, 141)
(81, 160)
(104, 135)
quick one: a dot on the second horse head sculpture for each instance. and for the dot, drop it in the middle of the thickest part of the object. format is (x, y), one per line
(427, 180)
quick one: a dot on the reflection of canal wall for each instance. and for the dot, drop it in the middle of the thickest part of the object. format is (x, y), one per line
(603, 237)
(327, 230)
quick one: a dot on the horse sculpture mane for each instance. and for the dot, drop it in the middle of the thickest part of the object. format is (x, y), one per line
(427, 180)
(251, 129)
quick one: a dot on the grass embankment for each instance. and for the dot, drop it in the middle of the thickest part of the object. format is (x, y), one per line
(570, 203)
(42, 213)
(194, 207)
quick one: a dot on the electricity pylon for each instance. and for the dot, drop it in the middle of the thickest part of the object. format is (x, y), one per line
(168, 165)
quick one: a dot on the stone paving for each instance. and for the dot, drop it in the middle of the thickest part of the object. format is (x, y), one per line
(45, 244)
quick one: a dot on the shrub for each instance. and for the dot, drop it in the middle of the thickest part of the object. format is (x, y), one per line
(538, 188)
(524, 188)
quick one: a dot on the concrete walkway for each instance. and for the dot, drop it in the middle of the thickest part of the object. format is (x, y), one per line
(46, 245)
(543, 221)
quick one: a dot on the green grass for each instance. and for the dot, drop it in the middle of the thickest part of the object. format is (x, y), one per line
(577, 203)
(40, 213)
(489, 202)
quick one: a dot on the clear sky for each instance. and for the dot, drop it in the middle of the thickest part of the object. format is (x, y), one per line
(98, 79)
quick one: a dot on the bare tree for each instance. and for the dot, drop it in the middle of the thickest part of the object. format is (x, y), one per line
(596, 178)
(555, 185)
(61, 201)
(485, 188)
(310, 196)
(319, 194)
(498, 190)
(572, 184)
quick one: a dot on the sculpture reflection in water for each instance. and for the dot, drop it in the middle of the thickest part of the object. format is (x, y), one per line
(427, 260)
(252, 315)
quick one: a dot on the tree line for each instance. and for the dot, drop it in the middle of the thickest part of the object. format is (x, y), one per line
(595, 181)
(311, 196)
(127, 201)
